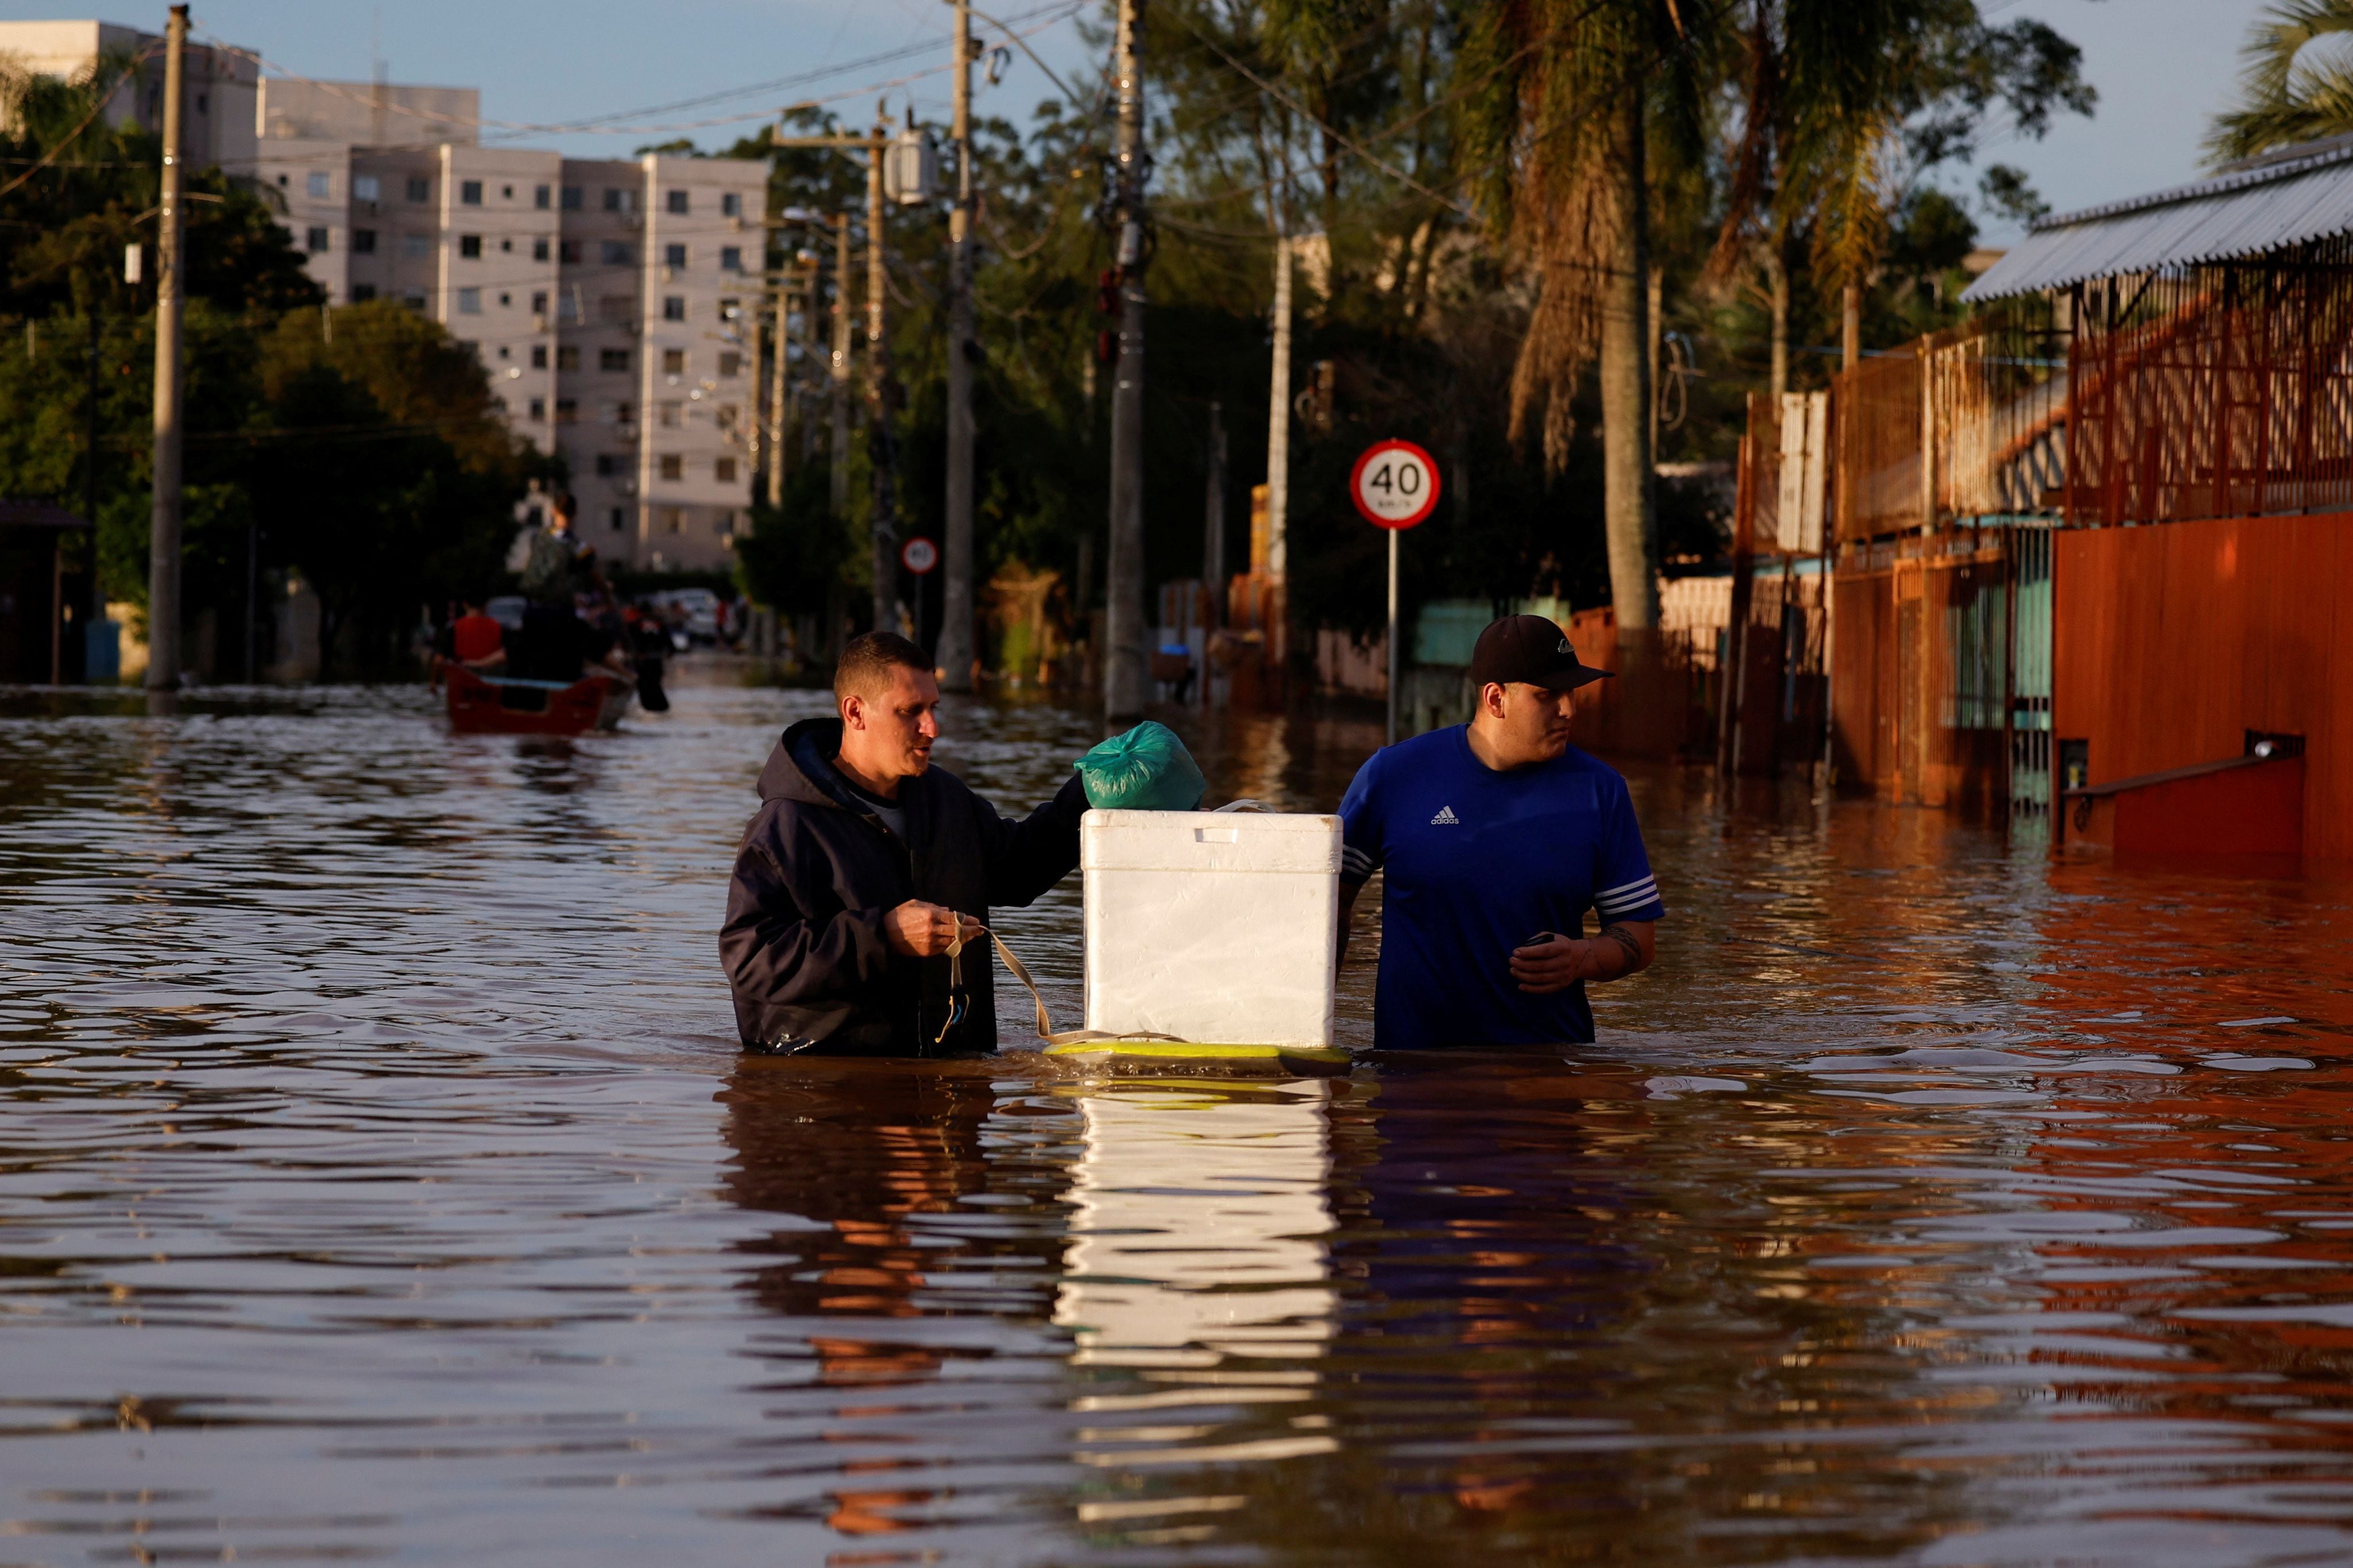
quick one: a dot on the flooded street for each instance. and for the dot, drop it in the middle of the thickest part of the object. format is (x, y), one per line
(380, 1180)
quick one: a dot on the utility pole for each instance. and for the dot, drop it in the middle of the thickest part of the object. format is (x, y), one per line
(1125, 668)
(1213, 519)
(955, 648)
(1278, 406)
(782, 337)
(883, 522)
(163, 536)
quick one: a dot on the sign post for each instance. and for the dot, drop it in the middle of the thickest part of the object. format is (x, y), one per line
(1395, 485)
(920, 556)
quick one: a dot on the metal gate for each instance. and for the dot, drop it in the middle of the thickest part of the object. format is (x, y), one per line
(2030, 552)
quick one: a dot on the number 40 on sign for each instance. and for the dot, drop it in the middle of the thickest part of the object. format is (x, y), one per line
(1395, 485)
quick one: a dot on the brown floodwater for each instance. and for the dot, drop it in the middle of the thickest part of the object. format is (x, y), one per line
(379, 1180)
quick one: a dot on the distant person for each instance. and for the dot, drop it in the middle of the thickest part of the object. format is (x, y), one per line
(862, 865)
(476, 640)
(556, 643)
(1494, 838)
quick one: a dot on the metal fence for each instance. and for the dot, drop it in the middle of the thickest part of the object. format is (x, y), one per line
(2221, 391)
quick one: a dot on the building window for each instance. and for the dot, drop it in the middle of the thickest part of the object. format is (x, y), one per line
(363, 293)
(567, 410)
(730, 309)
(469, 302)
(673, 361)
(623, 413)
(673, 256)
(608, 465)
(416, 247)
(674, 519)
(568, 305)
(469, 193)
(539, 356)
(616, 253)
(677, 204)
(725, 415)
(539, 197)
(669, 415)
(415, 300)
(504, 298)
(730, 205)
(503, 348)
(539, 303)
(723, 470)
(506, 248)
(362, 242)
(420, 189)
(314, 240)
(674, 308)
(729, 364)
(470, 246)
(567, 357)
(616, 518)
(538, 409)
(571, 195)
(506, 193)
(539, 248)
(365, 187)
(613, 359)
(320, 185)
(568, 253)
(620, 201)
(731, 258)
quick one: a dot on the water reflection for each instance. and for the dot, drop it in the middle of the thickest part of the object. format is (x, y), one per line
(382, 1181)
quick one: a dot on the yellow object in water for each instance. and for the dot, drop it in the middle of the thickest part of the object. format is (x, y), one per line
(1201, 1059)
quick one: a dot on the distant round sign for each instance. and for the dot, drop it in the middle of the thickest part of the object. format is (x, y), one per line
(919, 555)
(1394, 484)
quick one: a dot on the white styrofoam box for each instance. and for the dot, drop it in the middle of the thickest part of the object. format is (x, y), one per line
(1216, 927)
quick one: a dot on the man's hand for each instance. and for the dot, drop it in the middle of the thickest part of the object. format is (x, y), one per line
(1560, 962)
(923, 931)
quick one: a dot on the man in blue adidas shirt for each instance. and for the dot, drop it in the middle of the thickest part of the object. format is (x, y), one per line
(1495, 837)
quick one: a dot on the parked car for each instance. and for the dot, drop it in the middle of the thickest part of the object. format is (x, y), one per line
(694, 611)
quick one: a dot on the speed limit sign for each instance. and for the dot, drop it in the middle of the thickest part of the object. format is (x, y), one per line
(1394, 484)
(919, 555)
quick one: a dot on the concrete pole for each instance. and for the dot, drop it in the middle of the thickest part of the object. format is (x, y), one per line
(1213, 520)
(1125, 665)
(882, 523)
(954, 649)
(783, 337)
(1278, 409)
(163, 536)
(839, 442)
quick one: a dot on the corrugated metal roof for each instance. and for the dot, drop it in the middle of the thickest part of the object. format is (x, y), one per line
(2288, 199)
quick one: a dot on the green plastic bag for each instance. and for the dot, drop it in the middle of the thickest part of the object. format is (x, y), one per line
(1148, 769)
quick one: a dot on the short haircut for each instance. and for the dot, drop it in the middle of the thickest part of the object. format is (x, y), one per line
(866, 663)
(561, 504)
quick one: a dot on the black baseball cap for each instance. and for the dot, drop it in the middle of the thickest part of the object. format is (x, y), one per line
(1530, 650)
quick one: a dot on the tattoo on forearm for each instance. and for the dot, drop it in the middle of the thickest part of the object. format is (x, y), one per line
(1627, 944)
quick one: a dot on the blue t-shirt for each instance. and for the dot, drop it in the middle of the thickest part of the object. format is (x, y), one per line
(1477, 862)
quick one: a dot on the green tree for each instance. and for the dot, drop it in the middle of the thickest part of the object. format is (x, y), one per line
(2289, 92)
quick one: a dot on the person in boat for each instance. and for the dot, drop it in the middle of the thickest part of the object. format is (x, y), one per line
(864, 863)
(556, 643)
(1494, 838)
(472, 639)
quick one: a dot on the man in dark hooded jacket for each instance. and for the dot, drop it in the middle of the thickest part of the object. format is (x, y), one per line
(864, 862)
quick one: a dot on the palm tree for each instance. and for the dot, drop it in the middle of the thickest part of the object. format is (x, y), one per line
(2288, 98)
(1559, 117)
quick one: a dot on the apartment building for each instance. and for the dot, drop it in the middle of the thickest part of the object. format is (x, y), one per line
(218, 115)
(612, 302)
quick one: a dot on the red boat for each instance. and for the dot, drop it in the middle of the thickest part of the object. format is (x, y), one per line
(504, 705)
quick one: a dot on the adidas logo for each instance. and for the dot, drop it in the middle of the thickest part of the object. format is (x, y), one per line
(1446, 818)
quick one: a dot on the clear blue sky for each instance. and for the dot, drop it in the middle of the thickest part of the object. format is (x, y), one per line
(2162, 67)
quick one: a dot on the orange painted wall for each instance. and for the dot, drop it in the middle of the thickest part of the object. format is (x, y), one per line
(2172, 641)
